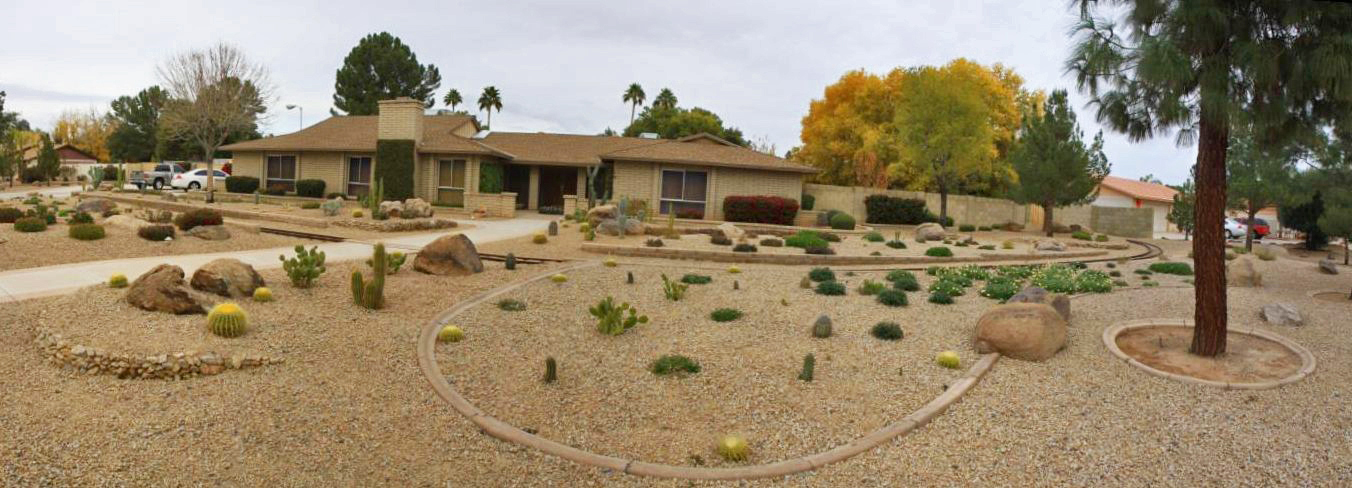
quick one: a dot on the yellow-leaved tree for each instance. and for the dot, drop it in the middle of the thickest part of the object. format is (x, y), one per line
(88, 130)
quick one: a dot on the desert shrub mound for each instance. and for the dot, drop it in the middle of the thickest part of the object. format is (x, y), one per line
(675, 364)
(87, 232)
(939, 252)
(842, 221)
(831, 288)
(821, 274)
(725, 315)
(806, 239)
(198, 217)
(1173, 268)
(887, 331)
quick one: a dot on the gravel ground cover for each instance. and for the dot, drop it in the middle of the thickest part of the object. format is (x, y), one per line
(350, 406)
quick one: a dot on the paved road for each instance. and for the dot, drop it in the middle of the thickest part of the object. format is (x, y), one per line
(55, 280)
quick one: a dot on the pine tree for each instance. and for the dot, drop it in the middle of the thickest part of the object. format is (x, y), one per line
(1055, 167)
(379, 68)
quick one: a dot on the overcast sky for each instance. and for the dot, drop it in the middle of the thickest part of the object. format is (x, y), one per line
(561, 66)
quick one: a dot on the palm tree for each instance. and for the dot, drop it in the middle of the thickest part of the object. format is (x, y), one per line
(452, 98)
(665, 99)
(634, 96)
(490, 100)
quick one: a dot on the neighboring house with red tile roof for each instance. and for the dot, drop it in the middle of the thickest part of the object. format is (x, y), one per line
(1124, 192)
(690, 176)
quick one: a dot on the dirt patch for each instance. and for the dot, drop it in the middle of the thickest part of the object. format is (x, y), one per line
(1248, 358)
(1333, 296)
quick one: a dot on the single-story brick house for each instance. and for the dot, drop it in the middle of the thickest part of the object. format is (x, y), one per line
(74, 161)
(1125, 192)
(450, 154)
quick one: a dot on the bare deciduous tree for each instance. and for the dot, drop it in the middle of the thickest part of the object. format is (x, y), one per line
(213, 93)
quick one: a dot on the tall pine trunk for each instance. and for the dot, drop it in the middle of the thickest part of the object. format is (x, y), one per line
(1048, 224)
(1208, 245)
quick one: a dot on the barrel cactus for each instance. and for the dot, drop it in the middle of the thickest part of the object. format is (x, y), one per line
(733, 448)
(610, 262)
(821, 329)
(558, 278)
(450, 333)
(734, 270)
(949, 359)
(262, 294)
(227, 320)
(510, 261)
(118, 280)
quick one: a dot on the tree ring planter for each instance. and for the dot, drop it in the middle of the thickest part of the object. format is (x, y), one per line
(1255, 359)
(426, 351)
(1334, 296)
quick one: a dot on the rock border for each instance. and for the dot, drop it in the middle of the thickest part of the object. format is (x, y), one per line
(176, 366)
(1307, 359)
(426, 351)
(817, 259)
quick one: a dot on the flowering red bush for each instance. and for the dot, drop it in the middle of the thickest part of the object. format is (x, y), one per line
(760, 209)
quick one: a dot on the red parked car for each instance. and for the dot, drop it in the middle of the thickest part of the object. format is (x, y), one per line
(1259, 226)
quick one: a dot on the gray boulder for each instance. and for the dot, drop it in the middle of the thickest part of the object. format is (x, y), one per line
(416, 208)
(929, 231)
(1049, 245)
(611, 227)
(95, 205)
(1282, 314)
(1327, 266)
(209, 232)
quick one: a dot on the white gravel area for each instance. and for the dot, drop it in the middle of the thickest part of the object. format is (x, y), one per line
(54, 246)
(350, 406)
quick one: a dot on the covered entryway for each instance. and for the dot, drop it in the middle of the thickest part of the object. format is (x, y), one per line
(555, 182)
(516, 179)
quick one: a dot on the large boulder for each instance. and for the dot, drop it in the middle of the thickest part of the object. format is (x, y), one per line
(929, 231)
(1242, 272)
(95, 205)
(1049, 245)
(209, 232)
(1027, 331)
(125, 222)
(611, 227)
(1282, 314)
(162, 289)
(227, 277)
(1034, 294)
(601, 213)
(416, 208)
(1327, 266)
(731, 231)
(392, 209)
(453, 255)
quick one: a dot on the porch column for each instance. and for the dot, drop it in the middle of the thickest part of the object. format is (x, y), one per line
(534, 201)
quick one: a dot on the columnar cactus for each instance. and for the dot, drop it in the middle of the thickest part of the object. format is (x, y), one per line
(551, 370)
(621, 217)
(809, 364)
(227, 320)
(371, 294)
(733, 448)
(821, 329)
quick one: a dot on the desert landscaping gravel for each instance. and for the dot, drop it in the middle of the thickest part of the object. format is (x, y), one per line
(350, 407)
(54, 247)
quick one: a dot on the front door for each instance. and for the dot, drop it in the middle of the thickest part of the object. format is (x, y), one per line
(517, 179)
(555, 182)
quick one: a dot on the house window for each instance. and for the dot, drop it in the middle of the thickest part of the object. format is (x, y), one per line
(358, 175)
(281, 172)
(684, 193)
(451, 182)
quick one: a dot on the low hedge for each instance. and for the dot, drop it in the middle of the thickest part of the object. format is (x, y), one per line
(87, 232)
(155, 232)
(310, 188)
(241, 184)
(1173, 268)
(883, 209)
(760, 209)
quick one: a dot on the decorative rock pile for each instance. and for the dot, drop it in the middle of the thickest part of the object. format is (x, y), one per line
(180, 365)
(95, 206)
(162, 289)
(394, 225)
(605, 219)
(1049, 245)
(209, 232)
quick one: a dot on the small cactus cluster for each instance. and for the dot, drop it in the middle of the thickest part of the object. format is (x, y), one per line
(227, 320)
(450, 333)
(948, 359)
(615, 320)
(118, 280)
(262, 294)
(305, 267)
(733, 448)
(371, 294)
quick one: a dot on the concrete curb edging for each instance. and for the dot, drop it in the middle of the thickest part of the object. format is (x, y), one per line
(816, 259)
(426, 351)
(1315, 295)
(1307, 358)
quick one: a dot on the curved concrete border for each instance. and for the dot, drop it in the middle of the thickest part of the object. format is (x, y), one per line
(1307, 359)
(820, 259)
(426, 349)
(1315, 295)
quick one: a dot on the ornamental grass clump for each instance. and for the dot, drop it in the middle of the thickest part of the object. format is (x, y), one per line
(1173, 268)
(874, 236)
(940, 298)
(725, 315)
(870, 287)
(694, 279)
(892, 298)
(821, 274)
(887, 331)
(831, 288)
(673, 290)
(675, 364)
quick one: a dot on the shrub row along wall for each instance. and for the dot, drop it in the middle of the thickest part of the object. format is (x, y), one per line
(65, 355)
(963, 209)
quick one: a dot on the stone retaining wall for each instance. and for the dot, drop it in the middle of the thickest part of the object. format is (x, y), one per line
(226, 212)
(495, 204)
(395, 225)
(817, 259)
(180, 365)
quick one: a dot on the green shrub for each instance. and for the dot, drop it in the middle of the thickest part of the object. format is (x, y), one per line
(511, 305)
(1015, 272)
(1173, 268)
(1007, 245)
(772, 242)
(156, 232)
(394, 168)
(809, 201)
(966, 228)
(198, 217)
(86, 232)
(948, 286)
(80, 218)
(694, 279)
(805, 239)
(241, 184)
(830, 237)
(1150, 284)
(831, 288)
(615, 320)
(887, 331)
(1000, 289)
(720, 240)
(899, 274)
(871, 287)
(906, 282)
(896, 244)
(310, 188)
(725, 315)
(32, 201)
(842, 221)
(1144, 272)
(744, 247)
(1081, 235)
(892, 298)
(10, 214)
(819, 250)
(983, 228)
(1101, 238)
(939, 252)
(987, 247)
(821, 274)
(974, 272)
(1055, 278)
(30, 224)
(874, 236)
(940, 298)
(1091, 281)
(675, 364)
(1263, 253)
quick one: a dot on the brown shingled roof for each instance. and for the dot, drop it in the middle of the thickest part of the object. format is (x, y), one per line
(1140, 189)
(710, 154)
(560, 149)
(358, 133)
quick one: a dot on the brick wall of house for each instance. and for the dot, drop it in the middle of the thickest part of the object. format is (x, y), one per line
(401, 118)
(643, 180)
(327, 166)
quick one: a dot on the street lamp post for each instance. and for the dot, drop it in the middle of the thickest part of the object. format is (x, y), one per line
(301, 125)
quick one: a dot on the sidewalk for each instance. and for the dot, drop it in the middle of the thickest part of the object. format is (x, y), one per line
(21, 284)
(54, 192)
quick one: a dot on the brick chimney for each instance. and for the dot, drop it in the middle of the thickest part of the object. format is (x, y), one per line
(401, 118)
